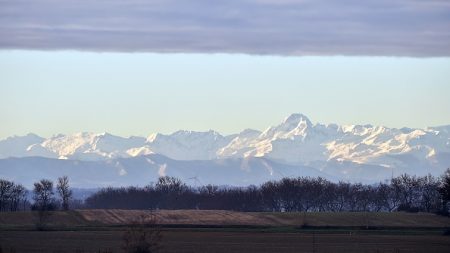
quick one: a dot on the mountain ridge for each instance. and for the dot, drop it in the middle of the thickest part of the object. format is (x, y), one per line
(296, 141)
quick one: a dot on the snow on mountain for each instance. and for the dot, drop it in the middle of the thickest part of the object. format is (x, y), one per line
(294, 126)
(296, 141)
(287, 142)
(16, 146)
(240, 145)
(145, 150)
(389, 147)
(188, 145)
(86, 146)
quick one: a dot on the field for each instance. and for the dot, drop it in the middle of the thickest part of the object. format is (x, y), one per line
(225, 231)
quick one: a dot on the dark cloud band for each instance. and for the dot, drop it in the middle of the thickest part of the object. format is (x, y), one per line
(282, 27)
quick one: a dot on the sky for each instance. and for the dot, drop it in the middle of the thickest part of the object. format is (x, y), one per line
(140, 93)
(137, 67)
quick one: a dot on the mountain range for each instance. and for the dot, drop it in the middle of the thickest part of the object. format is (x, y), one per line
(295, 147)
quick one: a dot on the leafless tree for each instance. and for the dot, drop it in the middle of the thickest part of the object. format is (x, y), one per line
(444, 190)
(408, 188)
(270, 196)
(11, 195)
(303, 194)
(43, 194)
(43, 202)
(429, 193)
(5, 193)
(64, 191)
(18, 194)
(143, 235)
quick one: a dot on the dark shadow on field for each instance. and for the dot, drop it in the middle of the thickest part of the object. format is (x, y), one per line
(188, 240)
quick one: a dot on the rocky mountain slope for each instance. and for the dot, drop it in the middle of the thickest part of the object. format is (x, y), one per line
(348, 152)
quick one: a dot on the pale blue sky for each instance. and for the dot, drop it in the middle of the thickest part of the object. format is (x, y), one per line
(50, 92)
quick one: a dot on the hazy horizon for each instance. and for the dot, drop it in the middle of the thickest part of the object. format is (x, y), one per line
(207, 130)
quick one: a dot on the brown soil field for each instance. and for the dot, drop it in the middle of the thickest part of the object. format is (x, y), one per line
(219, 217)
(229, 218)
(203, 241)
(226, 231)
(70, 218)
(182, 217)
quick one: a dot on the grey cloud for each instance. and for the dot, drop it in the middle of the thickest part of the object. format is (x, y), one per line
(281, 27)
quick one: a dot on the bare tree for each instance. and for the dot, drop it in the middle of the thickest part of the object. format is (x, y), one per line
(270, 196)
(64, 191)
(43, 202)
(303, 194)
(5, 193)
(171, 190)
(382, 198)
(43, 194)
(444, 190)
(143, 235)
(18, 194)
(430, 199)
(170, 184)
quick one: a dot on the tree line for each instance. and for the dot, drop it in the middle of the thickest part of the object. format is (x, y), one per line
(13, 197)
(302, 194)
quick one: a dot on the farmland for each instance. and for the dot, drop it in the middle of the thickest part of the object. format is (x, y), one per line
(226, 231)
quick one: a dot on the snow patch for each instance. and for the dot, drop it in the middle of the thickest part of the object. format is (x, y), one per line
(162, 170)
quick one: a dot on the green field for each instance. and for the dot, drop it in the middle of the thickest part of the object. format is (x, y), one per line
(225, 231)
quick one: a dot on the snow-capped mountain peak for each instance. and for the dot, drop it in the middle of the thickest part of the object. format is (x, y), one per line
(296, 119)
(295, 140)
(294, 126)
